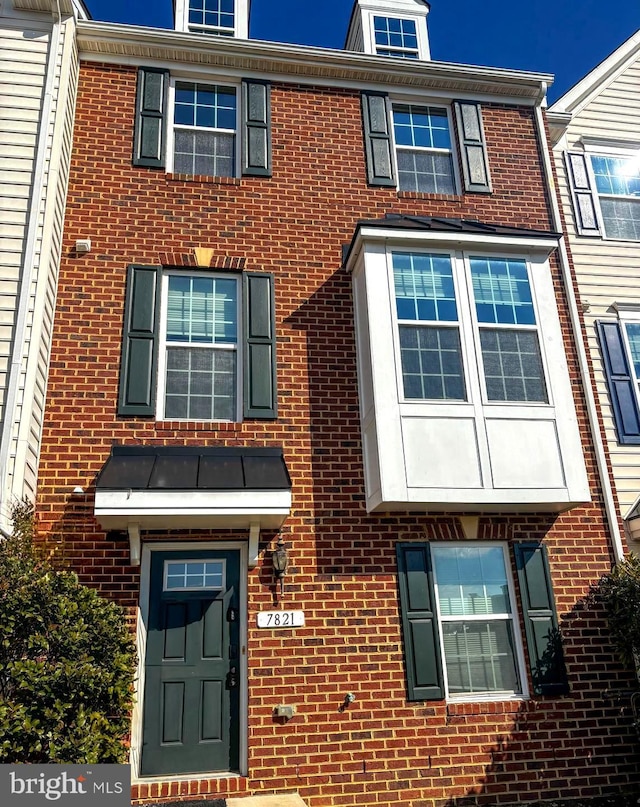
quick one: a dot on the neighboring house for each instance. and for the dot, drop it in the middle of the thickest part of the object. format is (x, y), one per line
(596, 139)
(324, 315)
(38, 77)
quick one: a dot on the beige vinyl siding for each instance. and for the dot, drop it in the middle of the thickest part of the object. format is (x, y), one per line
(607, 271)
(31, 207)
(22, 70)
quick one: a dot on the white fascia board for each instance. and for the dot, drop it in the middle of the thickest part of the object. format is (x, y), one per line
(116, 509)
(457, 500)
(123, 43)
(392, 235)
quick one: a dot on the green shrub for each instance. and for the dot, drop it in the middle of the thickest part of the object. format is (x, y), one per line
(620, 593)
(67, 660)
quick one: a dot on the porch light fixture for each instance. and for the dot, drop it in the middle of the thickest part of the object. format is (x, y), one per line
(280, 561)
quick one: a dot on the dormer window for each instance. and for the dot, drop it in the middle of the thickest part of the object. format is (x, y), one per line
(395, 37)
(228, 18)
(212, 16)
(395, 28)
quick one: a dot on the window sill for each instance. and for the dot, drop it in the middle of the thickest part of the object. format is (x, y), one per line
(501, 707)
(196, 426)
(449, 197)
(203, 178)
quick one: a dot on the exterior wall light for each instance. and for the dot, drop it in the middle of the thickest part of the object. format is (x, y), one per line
(280, 561)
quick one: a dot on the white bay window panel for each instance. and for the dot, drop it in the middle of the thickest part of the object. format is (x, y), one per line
(485, 417)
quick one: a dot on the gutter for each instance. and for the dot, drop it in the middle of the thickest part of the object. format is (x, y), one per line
(576, 323)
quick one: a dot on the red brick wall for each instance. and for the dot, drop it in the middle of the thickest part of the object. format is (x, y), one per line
(343, 571)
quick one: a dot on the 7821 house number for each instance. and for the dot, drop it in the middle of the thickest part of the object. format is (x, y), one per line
(280, 619)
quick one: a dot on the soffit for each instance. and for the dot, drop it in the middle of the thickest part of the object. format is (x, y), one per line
(144, 45)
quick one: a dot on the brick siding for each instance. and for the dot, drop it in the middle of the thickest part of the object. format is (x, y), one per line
(343, 569)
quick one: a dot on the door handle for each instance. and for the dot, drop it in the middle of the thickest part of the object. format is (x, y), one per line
(232, 678)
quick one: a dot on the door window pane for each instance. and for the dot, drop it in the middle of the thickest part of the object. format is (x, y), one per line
(193, 575)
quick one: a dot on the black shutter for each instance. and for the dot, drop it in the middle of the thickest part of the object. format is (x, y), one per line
(260, 398)
(419, 623)
(621, 384)
(584, 204)
(149, 137)
(544, 640)
(473, 147)
(139, 343)
(256, 123)
(377, 139)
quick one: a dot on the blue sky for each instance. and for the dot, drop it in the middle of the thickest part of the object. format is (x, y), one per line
(565, 37)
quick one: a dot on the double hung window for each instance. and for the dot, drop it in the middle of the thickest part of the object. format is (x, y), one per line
(433, 317)
(617, 182)
(461, 626)
(212, 16)
(395, 37)
(423, 149)
(479, 634)
(201, 348)
(204, 130)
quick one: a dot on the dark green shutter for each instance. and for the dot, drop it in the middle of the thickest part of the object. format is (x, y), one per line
(260, 399)
(256, 121)
(544, 641)
(377, 139)
(473, 147)
(620, 382)
(419, 623)
(584, 204)
(139, 343)
(149, 137)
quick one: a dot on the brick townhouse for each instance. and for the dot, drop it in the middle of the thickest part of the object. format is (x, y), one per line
(314, 310)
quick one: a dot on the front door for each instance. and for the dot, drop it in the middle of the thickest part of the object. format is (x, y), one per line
(192, 663)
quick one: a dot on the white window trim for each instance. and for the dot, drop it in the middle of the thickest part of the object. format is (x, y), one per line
(172, 126)
(162, 347)
(596, 149)
(401, 51)
(412, 100)
(514, 617)
(240, 18)
(168, 563)
(421, 32)
(469, 329)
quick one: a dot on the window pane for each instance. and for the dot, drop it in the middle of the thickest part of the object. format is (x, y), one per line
(431, 363)
(200, 384)
(479, 657)
(471, 580)
(501, 291)
(621, 218)
(424, 287)
(202, 309)
(427, 127)
(512, 366)
(204, 153)
(391, 33)
(633, 335)
(206, 574)
(217, 13)
(425, 173)
(617, 175)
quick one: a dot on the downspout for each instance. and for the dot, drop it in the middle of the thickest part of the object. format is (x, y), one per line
(576, 323)
(28, 268)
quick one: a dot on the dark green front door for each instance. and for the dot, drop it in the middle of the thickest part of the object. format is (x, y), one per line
(192, 663)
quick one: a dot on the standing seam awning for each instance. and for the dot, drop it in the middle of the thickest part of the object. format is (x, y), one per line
(192, 487)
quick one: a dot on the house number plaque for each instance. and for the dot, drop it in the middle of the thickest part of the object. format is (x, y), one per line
(280, 619)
